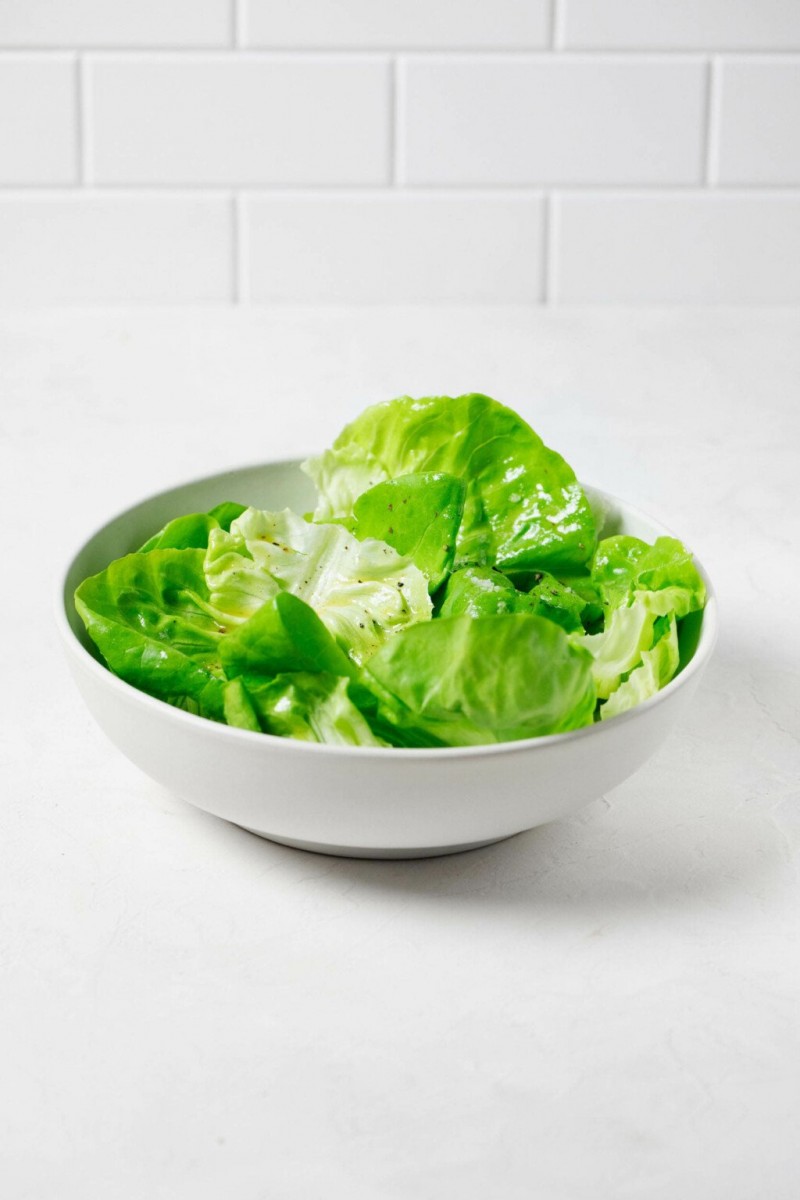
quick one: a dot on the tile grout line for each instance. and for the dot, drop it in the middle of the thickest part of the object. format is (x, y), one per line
(241, 290)
(552, 233)
(713, 119)
(445, 53)
(398, 133)
(237, 29)
(78, 98)
(234, 248)
(556, 39)
(545, 268)
(83, 123)
(392, 123)
(411, 192)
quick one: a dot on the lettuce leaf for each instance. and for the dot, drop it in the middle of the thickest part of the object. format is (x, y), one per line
(624, 565)
(183, 533)
(657, 667)
(309, 707)
(640, 586)
(191, 531)
(419, 515)
(150, 616)
(524, 508)
(283, 635)
(362, 591)
(478, 592)
(465, 681)
(483, 592)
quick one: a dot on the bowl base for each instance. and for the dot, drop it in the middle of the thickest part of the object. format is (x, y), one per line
(374, 852)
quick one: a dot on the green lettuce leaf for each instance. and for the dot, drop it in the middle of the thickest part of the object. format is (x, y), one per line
(283, 635)
(226, 513)
(478, 592)
(624, 565)
(464, 681)
(363, 591)
(483, 592)
(524, 508)
(309, 707)
(629, 631)
(239, 709)
(657, 667)
(150, 616)
(419, 516)
(184, 533)
(639, 585)
(191, 531)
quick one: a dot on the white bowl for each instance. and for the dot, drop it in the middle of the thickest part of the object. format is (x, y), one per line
(363, 802)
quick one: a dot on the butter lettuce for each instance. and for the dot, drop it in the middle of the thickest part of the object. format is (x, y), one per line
(361, 590)
(191, 532)
(448, 591)
(624, 565)
(311, 707)
(658, 665)
(151, 617)
(283, 635)
(419, 515)
(484, 591)
(524, 508)
(464, 681)
(646, 590)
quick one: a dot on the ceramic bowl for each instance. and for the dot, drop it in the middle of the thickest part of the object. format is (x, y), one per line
(363, 802)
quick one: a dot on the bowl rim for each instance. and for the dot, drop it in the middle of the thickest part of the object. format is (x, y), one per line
(151, 704)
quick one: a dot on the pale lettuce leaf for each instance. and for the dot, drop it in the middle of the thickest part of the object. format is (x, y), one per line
(363, 591)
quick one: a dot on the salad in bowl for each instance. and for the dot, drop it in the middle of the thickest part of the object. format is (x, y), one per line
(449, 589)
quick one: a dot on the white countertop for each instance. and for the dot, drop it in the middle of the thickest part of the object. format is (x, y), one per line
(606, 1007)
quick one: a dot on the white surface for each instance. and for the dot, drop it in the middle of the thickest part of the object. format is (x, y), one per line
(393, 248)
(219, 119)
(645, 249)
(107, 249)
(115, 23)
(403, 24)
(39, 144)
(607, 1007)
(483, 120)
(542, 100)
(757, 143)
(681, 24)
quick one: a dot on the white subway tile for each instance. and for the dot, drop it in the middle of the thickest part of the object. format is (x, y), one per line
(78, 248)
(394, 249)
(115, 22)
(400, 24)
(38, 137)
(696, 249)
(681, 24)
(231, 120)
(760, 121)
(551, 120)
